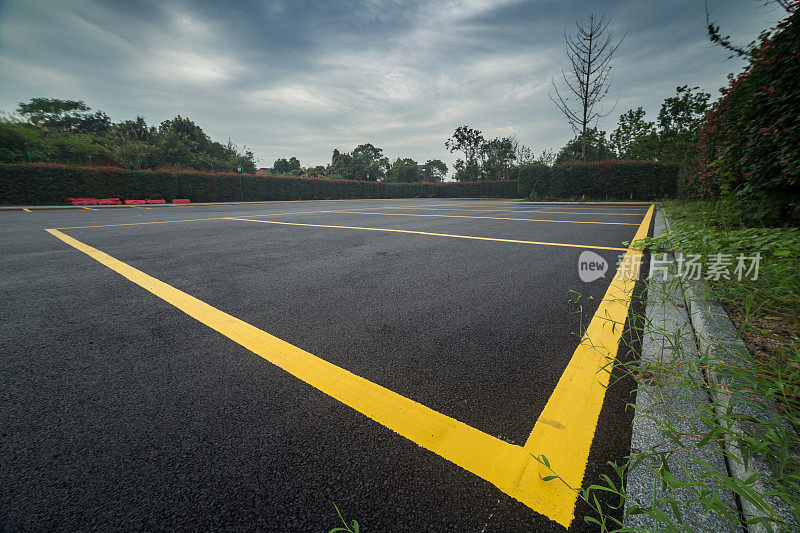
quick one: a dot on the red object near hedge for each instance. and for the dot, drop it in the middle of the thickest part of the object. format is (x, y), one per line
(82, 201)
(180, 201)
(156, 201)
(134, 202)
(109, 201)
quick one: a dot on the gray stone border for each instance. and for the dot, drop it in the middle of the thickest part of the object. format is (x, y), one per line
(708, 341)
(719, 342)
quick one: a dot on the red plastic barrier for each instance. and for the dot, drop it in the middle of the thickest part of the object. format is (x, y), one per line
(134, 202)
(109, 201)
(82, 201)
(180, 201)
(156, 201)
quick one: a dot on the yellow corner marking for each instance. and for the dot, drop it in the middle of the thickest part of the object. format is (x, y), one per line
(430, 233)
(26, 209)
(569, 419)
(89, 208)
(563, 432)
(485, 456)
(487, 218)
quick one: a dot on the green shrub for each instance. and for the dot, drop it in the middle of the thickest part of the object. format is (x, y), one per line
(532, 180)
(749, 143)
(46, 184)
(599, 180)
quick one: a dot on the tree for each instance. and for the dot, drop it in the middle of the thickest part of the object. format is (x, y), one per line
(369, 163)
(188, 132)
(284, 166)
(497, 156)
(466, 140)
(365, 162)
(590, 147)
(678, 120)
(341, 164)
(404, 170)
(547, 157)
(590, 54)
(318, 171)
(132, 130)
(635, 138)
(61, 115)
(435, 171)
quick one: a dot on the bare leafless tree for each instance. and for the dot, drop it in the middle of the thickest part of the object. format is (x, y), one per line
(589, 77)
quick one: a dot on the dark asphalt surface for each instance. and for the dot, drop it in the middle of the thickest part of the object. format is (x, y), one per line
(120, 412)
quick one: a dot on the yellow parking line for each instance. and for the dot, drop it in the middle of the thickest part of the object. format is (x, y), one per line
(188, 220)
(513, 211)
(89, 208)
(585, 246)
(563, 432)
(566, 426)
(26, 209)
(489, 218)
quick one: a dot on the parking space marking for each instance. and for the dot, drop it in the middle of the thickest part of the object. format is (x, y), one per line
(89, 208)
(563, 432)
(566, 426)
(391, 230)
(488, 209)
(26, 209)
(486, 218)
(189, 220)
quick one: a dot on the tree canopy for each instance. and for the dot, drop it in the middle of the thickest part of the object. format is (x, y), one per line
(67, 131)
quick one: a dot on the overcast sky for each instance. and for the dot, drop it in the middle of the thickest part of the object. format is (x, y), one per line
(299, 78)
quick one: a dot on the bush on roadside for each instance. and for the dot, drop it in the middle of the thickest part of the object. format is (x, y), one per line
(43, 183)
(599, 180)
(749, 143)
(532, 180)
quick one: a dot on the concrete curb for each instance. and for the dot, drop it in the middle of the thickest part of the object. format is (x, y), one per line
(720, 345)
(668, 341)
(708, 342)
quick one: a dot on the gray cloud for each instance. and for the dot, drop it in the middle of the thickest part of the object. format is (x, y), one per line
(300, 78)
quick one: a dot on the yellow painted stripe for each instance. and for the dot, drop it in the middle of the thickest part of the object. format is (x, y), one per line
(489, 218)
(515, 211)
(485, 456)
(26, 209)
(493, 239)
(566, 426)
(563, 432)
(89, 208)
(189, 220)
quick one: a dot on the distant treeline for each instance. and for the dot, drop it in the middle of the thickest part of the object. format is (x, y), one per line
(66, 131)
(667, 139)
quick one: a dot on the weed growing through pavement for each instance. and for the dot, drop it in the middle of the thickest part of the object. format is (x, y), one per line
(353, 527)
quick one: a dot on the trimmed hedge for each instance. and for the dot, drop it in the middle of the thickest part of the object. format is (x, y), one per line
(48, 184)
(600, 180)
(748, 146)
(532, 179)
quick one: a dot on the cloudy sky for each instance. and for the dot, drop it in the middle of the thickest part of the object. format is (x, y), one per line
(298, 78)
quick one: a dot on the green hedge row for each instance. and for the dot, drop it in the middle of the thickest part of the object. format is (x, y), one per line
(48, 184)
(599, 180)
